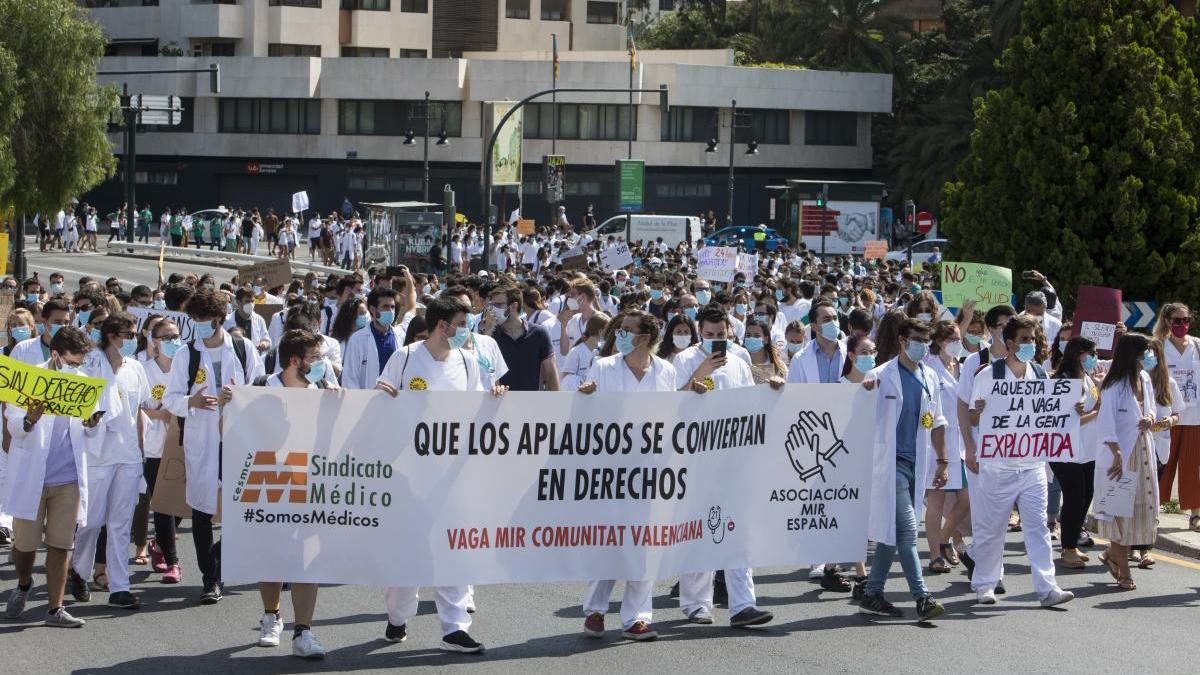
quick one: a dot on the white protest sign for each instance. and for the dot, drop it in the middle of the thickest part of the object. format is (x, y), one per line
(616, 257)
(747, 263)
(1114, 498)
(717, 263)
(1102, 334)
(299, 201)
(1025, 420)
(541, 486)
(182, 320)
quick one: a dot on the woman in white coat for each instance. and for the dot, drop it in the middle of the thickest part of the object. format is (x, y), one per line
(946, 347)
(1126, 423)
(910, 425)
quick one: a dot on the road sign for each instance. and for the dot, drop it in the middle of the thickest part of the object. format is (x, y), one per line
(1138, 314)
(631, 177)
(924, 222)
(157, 110)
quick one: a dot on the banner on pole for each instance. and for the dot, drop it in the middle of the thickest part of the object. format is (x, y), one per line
(1025, 420)
(555, 167)
(469, 488)
(506, 156)
(631, 181)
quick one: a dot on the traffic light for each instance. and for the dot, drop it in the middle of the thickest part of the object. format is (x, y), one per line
(443, 138)
(663, 104)
(214, 79)
(752, 147)
(409, 137)
(821, 199)
(712, 145)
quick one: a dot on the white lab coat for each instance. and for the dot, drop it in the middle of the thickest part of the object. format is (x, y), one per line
(1118, 423)
(22, 492)
(804, 368)
(29, 351)
(202, 428)
(258, 328)
(881, 523)
(360, 358)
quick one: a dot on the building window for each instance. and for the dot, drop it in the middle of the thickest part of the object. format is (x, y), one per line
(579, 121)
(766, 126)
(281, 49)
(396, 118)
(185, 125)
(295, 3)
(379, 180)
(99, 4)
(414, 6)
(374, 5)
(826, 127)
(368, 52)
(516, 9)
(531, 187)
(269, 116)
(666, 5)
(556, 10)
(602, 12)
(156, 177)
(583, 188)
(681, 190)
(221, 49)
(413, 53)
(689, 124)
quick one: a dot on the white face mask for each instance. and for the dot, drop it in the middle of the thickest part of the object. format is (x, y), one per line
(682, 341)
(572, 304)
(953, 349)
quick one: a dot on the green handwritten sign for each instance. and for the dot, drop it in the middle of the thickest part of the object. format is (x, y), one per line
(64, 395)
(987, 285)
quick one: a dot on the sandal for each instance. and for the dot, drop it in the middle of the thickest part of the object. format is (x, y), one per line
(948, 552)
(1147, 562)
(1194, 523)
(1074, 562)
(141, 559)
(1126, 584)
(98, 585)
(939, 566)
(1113, 569)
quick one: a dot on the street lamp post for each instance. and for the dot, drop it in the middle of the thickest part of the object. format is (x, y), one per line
(425, 116)
(745, 122)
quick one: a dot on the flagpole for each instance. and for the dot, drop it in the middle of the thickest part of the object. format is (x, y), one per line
(554, 97)
(632, 68)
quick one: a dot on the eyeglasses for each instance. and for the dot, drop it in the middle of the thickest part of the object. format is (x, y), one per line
(127, 336)
(173, 336)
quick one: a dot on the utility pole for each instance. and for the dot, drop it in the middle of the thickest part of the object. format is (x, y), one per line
(425, 116)
(752, 149)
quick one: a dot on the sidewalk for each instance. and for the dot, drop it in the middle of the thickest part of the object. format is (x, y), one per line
(1173, 535)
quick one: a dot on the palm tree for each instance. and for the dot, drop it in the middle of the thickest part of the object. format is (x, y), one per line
(851, 35)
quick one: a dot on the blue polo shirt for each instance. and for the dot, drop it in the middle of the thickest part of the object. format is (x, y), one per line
(910, 414)
(385, 344)
(524, 355)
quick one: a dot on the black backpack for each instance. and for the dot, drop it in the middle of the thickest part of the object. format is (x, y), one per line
(998, 370)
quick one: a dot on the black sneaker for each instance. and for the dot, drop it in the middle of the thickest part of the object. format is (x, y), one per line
(832, 581)
(211, 594)
(459, 641)
(396, 633)
(999, 590)
(876, 604)
(928, 608)
(78, 587)
(124, 600)
(860, 589)
(968, 562)
(675, 591)
(750, 617)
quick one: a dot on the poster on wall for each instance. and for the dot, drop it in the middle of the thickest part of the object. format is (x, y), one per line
(506, 154)
(846, 226)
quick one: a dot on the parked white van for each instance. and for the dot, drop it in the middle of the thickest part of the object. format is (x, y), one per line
(647, 228)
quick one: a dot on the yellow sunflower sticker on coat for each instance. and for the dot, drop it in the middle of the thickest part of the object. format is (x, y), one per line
(201, 376)
(709, 384)
(418, 384)
(158, 391)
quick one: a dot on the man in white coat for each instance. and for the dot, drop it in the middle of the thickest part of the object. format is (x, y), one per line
(55, 314)
(369, 348)
(211, 364)
(910, 424)
(998, 486)
(46, 486)
(702, 368)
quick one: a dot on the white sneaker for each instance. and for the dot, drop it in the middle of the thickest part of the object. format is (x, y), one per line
(269, 628)
(307, 647)
(1057, 596)
(701, 616)
(987, 597)
(817, 571)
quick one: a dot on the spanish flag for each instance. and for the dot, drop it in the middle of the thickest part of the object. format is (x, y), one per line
(632, 50)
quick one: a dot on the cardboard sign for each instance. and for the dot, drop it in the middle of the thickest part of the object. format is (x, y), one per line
(747, 263)
(875, 249)
(1097, 306)
(526, 226)
(267, 310)
(170, 489)
(273, 272)
(574, 259)
(987, 285)
(64, 395)
(717, 263)
(1025, 420)
(616, 257)
(1103, 334)
(8, 300)
(300, 202)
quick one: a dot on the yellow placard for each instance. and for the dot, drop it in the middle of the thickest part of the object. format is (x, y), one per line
(3, 253)
(64, 395)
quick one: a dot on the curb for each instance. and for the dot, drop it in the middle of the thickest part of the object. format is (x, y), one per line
(1163, 542)
(190, 261)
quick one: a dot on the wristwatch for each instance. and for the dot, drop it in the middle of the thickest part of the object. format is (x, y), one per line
(27, 423)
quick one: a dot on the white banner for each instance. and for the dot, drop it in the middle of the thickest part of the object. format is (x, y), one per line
(299, 201)
(615, 257)
(717, 263)
(461, 488)
(182, 320)
(1030, 420)
(747, 263)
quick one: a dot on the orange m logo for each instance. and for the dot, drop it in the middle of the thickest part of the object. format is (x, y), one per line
(291, 473)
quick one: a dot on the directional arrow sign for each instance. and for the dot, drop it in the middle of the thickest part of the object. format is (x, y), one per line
(1138, 314)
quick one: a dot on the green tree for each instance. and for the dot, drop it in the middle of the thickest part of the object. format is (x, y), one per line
(851, 35)
(1084, 164)
(53, 115)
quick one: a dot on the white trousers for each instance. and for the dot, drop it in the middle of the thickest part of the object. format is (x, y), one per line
(636, 604)
(451, 602)
(112, 495)
(696, 590)
(992, 496)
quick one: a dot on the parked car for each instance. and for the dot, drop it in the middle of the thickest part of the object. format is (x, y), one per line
(922, 251)
(743, 237)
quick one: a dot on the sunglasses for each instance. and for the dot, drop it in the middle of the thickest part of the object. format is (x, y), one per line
(1185, 321)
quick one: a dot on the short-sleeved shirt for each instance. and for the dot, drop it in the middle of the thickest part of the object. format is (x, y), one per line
(415, 369)
(912, 388)
(60, 460)
(385, 343)
(524, 355)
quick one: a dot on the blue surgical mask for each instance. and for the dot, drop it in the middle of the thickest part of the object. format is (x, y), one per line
(655, 294)
(703, 297)
(1062, 345)
(973, 339)
(257, 290)
(830, 330)
(160, 304)
(203, 330)
(753, 344)
(94, 334)
(865, 363)
(31, 298)
(625, 342)
(778, 294)
(360, 321)
(690, 312)
(316, 372)
(1090, 362)
(20, 333)
(56, 289)
(1149, 360)
(461, 334)
(740, 308)
(128, 347)
(635, 279)
(793, 347)
(387, 317)
(916, 350)
(708, 345)
(1026, 352)
(83, 316)
(170, 347)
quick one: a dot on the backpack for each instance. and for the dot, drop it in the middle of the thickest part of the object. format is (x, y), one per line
(261, 381)
(998, 370)
(239, 348)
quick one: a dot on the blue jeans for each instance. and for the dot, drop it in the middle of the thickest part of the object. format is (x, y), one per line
(906, 539)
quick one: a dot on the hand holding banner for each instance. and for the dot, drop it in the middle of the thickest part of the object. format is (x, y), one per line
(64, 395)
